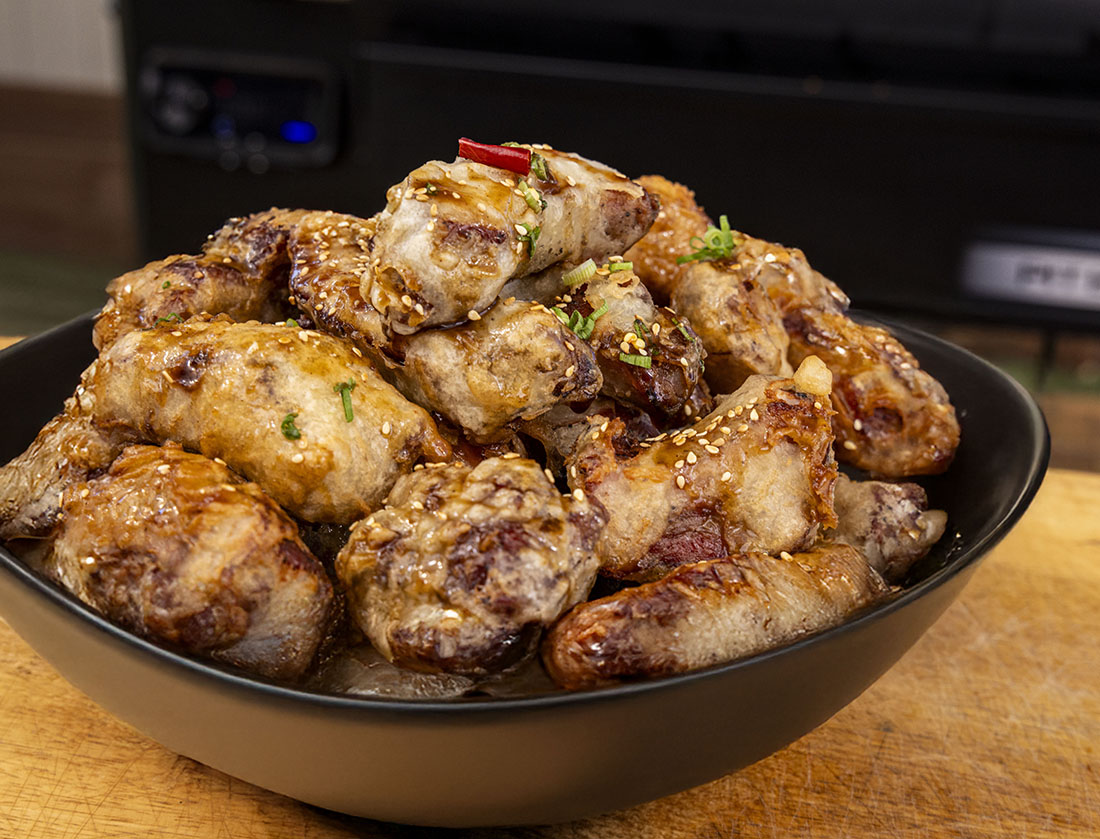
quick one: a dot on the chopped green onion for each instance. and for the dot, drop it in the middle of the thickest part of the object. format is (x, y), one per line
(640, 329)
(534, 200)
(683, 331)
(621, 266)
(512, 144)
(581, 274)
(530, 236)
(290, 430)
(173, 316)
(166, 284)
(580, 326)
(717, 243)
(292, 322)
(538, 167)
(431, 188)
(345, 389)
(637, 360)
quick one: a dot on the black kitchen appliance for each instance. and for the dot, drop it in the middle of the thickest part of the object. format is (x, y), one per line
(935, 157)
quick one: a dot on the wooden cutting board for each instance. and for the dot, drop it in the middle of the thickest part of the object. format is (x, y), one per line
(989, 727)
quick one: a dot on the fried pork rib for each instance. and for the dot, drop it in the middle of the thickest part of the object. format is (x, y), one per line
(241, 273)
(737, 321)
(892, 418)
(708, 613)
(294, 410)
(453, 233)
(68, 449)
(630, 331)
(890, 524)
(177, 548)
(515, 362)
(463, 568)
(679, 220)
(755, 474)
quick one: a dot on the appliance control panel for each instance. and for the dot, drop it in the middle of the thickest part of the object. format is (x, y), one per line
(254, 113)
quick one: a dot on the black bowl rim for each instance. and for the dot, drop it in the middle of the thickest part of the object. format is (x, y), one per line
(541, 702)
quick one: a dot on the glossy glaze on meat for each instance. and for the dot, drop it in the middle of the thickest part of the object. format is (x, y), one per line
(889, 523)
(892, 418)
(453, 234)
(255, 245)
(678, 221)
(227, 389)
(755, 474)
(708, 613)
(463, 568)
(177, 548)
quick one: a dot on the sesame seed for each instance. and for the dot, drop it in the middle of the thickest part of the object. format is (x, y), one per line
(711, 449)
(419, 307)
(163, 468)
(88, 560)
(595, 435)
(303, 336)
(726, 476)
(406, 301)
(570, 370)
(849, 445)
(569, 346)
(417, 505)
(386, 428)
(455, 195)
(614, 259)
(679, 464)
(509, 455)
(740, 409)
(817, 405)
(84, 493)
(434, 210)
(725, 429)
(680, 482)
(573, 471)
(356, 351)
(128, 288)
(743, 427)
(549, 475)
(691, 432)
(753, 415)
(298, 458)
(702, 441)
(687, 411)
(176, 334)
(656, 329)
(284, 340)
(914, 534)
(858, 425)
(578, 493)
(624, 346)
(219, 461)
(473, 315)
(785, 555)
(167, 375)
(691, 457)
(603, 426)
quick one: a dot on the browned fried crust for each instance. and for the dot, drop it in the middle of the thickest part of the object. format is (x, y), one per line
(464, 567)
(708, 613)
(226, 389)
(678, 221)
(177, 548)
(771, 442)
(892, 418)
(255, 245)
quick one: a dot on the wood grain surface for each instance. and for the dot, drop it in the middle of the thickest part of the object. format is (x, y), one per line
(988, 727)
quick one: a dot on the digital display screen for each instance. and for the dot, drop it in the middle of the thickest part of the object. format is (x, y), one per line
(1046, 275)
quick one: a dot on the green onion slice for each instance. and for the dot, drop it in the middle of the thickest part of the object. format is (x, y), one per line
(637, 360)
(621, 266)
(170, 317)
(290, 430)
(581, 274)
(345, 389)
(538, 167)
(530, 236)
(717, 243)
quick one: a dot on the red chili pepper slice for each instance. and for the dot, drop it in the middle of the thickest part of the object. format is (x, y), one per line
(504, 157)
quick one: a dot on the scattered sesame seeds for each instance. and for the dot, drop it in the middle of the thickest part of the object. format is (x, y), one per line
(88, 560)
(858, 425)
(509, 455)
(725, 429)
(167, 376)
(578, 493)
(570, 370)
(303, 336)
(680, 482)
(84, 493)
(357, 351)
(679, 464)
(176, 334)
(417, 505)
(726, 476)
(688, 411)
(219, 461)
(419, 307)
(817, 405)
(163, 468)
(692, 457)
(736, 412)
(549, 475)
(753, 415)
(743, 427)
(386, 428)
(406, 301)
(473, 315)
(785, 555)
(711, 449)
(603, 426)
(298, 458)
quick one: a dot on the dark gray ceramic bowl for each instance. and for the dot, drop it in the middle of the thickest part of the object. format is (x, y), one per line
(547, 758)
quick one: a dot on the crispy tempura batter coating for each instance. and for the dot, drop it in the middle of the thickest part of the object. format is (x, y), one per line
(678, 221)
(892, 418)
(177, 548)
(708, 613)
(755, 474)
(889, 523)
(463, 568)
(227, 389)
(453, 233)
